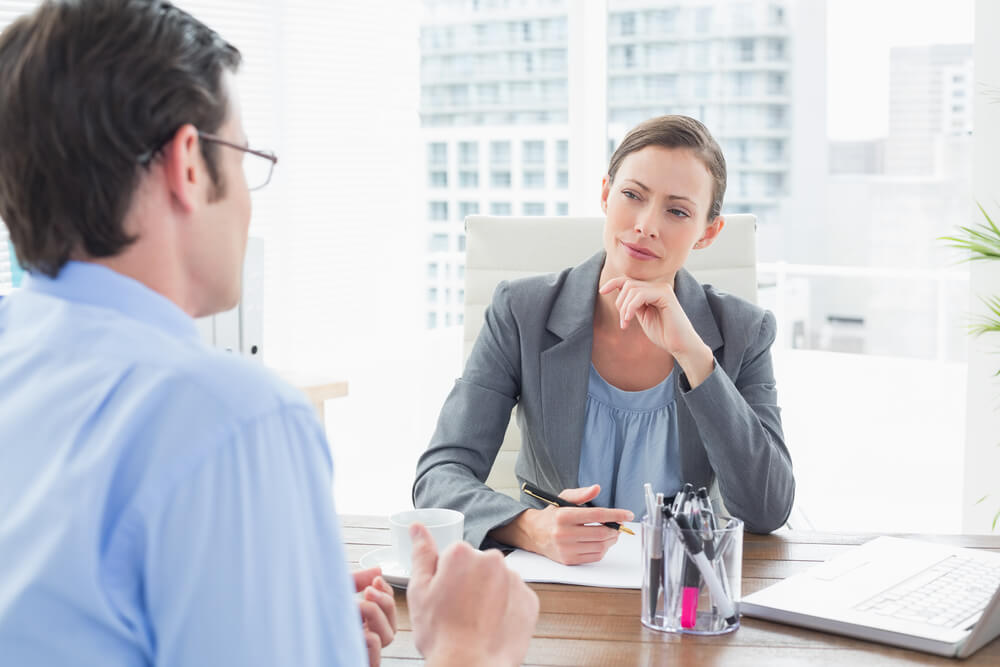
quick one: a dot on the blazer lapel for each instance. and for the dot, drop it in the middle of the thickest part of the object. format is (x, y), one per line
(695, 467)
(565, 367)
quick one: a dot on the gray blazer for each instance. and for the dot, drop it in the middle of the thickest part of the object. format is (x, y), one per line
(534, 351)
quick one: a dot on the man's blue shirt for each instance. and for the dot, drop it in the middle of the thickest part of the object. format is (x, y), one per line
(160, 502)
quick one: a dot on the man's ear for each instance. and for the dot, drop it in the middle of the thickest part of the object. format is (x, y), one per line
(184, 167)
(711, 232)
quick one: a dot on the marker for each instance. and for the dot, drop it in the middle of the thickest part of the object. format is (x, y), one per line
(695, 549)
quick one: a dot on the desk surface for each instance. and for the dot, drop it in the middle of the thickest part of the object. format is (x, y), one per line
(600, 626)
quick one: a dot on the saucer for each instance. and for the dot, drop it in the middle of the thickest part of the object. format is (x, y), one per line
(394, 573)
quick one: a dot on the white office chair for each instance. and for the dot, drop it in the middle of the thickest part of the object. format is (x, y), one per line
(503, 248)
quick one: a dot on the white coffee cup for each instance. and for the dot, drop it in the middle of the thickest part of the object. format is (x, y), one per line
(445, 526)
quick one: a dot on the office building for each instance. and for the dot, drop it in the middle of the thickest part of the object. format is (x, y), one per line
(931, 91)
(857, 157)
(494, 109)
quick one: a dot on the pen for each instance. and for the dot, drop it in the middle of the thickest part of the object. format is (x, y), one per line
(545, 497)
(694, 547)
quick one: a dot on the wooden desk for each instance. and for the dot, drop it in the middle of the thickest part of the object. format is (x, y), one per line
(316, 388)
(600, 626)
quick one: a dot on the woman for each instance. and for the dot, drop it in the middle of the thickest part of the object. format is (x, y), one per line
(624, 370)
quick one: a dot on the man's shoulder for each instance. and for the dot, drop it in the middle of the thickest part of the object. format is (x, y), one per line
(245, 388)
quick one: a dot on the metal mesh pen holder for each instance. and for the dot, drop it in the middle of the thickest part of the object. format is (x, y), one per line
(692, 585)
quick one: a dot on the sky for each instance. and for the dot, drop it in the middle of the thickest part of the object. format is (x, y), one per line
(859, 35)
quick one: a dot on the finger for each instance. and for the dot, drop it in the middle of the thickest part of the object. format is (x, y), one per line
(363, 578)
(374, 645)
(626, 289)
(424, 556)
(612, 285)
(581, 495)
(385, 601)
(582, 515)
(383, 586)
(636, 300)
(377, 621)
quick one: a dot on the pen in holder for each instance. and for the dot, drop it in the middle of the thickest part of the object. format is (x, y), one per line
(691, 576)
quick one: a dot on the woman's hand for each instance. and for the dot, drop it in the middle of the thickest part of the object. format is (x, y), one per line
(655, 307)
(562, 533)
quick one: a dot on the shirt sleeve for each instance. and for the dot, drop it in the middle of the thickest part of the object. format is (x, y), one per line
(244, 563)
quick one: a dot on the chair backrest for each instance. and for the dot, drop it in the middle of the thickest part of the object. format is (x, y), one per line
(503, 248)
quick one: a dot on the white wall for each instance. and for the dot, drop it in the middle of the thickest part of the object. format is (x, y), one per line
(982, 447)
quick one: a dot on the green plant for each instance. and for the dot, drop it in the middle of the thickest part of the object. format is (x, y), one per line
(982, 242)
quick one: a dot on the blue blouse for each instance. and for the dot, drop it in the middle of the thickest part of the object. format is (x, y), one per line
(629, 438)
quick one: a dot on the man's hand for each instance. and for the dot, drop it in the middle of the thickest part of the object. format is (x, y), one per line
(378, 611)
(466, 607)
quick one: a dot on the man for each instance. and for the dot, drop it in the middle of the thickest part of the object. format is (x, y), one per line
(160, 502)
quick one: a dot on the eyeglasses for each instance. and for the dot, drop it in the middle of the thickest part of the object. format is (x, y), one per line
(258, 172)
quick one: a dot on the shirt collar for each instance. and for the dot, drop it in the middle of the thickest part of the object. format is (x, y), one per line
(97, 285)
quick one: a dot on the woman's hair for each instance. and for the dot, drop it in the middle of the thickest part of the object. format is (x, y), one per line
(677, 132)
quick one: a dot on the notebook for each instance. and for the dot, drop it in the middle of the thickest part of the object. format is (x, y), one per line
(919, 595)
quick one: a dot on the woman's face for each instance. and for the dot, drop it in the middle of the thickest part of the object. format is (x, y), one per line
(657, 210)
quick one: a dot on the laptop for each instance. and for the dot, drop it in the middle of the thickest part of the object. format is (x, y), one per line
(919, 595)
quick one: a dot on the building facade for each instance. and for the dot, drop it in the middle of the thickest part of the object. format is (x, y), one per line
(495, 109)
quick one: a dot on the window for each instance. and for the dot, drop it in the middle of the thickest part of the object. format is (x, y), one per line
(776, 15)
(500, 208)
(468, 152)
(447, 319)
(626, 24)
(500, 179)
(467, 208)
(437, 153)
(562, 208)
(661, 85)
(776, 83)
(534, 178)
(702, 19)
(460, 271)
(533, 208)
(432, 270)
(468, 179)
(533, 152)
(562, 179)
(775, 49)
(562, 152)
(432, 295)
(438, 243)
(461, 242)
(745, 50)
(438, 210)
(432, 320)
(500, 152)
(438, 179)
(461, 296)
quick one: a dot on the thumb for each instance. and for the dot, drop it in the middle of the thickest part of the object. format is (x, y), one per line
(424, 555)
(581, 495)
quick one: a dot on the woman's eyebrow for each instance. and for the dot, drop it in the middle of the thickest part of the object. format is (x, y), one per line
(646, 189)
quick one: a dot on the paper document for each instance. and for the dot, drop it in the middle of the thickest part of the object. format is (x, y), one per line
(621, 567)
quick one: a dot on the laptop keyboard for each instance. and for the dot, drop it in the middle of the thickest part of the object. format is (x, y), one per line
(946, 594)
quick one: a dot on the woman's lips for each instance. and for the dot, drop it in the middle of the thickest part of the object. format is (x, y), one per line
(638, 252)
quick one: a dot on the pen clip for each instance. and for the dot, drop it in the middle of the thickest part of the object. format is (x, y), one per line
(535, 495)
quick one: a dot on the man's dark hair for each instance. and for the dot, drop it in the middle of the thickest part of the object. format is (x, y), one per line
(90, 90)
